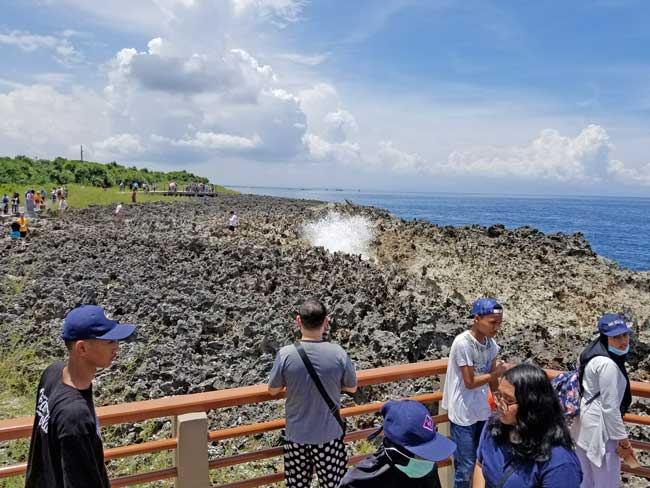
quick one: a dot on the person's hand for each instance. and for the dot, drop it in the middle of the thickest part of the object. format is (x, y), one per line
(500, 368)
(625, 451)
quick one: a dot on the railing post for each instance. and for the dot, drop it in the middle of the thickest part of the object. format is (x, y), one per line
(447, 473)
(191, 457)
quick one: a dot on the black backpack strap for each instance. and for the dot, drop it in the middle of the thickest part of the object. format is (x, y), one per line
(592, 399)
(507, 474)
(321, 389)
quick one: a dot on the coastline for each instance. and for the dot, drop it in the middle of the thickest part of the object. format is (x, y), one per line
(212, 307)
(616, 227)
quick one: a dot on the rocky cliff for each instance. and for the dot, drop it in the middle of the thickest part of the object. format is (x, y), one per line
(213, 307)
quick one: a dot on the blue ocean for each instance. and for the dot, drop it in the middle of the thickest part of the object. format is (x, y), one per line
(618, 228)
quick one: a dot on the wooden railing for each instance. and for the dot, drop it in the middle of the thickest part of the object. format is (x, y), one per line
(178, 407)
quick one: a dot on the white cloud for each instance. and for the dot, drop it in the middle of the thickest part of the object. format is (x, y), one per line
(62, 49)
(39, 119)
(285, 10)
(28, 42)
(149, 17)
(11, 83)
(340, 125)
(155, 46)
(306, 59)
(321, 150)
(332, 129)
(631, 176)
(220, 142)
(145, 15)
(400, 161)
(217, 83)
(214, 102)
(53, 79)
(118, 147)
(586, 157)
(234, 75)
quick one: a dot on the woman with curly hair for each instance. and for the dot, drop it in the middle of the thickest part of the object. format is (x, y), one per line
(528, 443)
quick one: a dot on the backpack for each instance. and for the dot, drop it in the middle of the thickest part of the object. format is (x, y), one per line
(567, 386)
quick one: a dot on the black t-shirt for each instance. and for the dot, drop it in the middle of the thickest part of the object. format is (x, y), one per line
(376, 471)
(66, 448)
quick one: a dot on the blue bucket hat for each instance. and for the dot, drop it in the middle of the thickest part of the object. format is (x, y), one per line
(485, 306)
(612, 324)
(409, 424)
(91, 322)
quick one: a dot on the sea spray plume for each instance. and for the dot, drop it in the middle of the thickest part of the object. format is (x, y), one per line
(350, 234)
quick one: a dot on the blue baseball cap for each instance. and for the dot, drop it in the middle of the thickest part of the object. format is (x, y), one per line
(612, 324)
(91, 322)
(485, 306)
(409, 424)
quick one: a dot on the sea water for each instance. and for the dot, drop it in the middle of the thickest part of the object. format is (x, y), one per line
(617, 228)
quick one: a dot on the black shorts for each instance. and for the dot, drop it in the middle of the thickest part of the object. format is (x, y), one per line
(232, 228)
(23, 234)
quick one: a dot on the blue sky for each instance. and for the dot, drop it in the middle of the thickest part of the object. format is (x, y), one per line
(531, 97)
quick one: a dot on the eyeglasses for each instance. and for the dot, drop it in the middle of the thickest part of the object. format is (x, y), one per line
(498, 398)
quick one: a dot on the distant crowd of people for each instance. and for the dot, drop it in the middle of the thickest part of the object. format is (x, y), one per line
(172, 186)
(523, 439)
(35, 202)
(134, 186)
(199, 188)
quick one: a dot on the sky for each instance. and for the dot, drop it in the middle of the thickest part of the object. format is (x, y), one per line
(542, 97)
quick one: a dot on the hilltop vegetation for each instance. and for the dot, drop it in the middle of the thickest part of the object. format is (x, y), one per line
(60, 171)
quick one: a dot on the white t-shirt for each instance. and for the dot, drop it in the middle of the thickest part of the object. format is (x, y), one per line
(233, 221)
(63, 205)
(464, 406)
(118, 209)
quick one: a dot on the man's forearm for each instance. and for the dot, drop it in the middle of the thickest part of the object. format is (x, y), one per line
(480, 380)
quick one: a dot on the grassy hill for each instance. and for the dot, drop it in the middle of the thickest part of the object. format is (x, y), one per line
(22, 170)
(88, 183)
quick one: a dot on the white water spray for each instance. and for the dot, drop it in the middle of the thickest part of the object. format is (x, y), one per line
(350, 234)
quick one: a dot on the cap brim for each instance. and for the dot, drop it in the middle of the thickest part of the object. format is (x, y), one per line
(437, 449)
(616, 331)
(118, 333)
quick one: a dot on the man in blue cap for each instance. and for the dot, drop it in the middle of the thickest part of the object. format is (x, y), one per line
(66, 446)
(409, 452)
(472, 369)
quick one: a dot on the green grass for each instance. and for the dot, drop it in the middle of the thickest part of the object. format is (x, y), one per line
(20, 370)
(149, 430)
(10, 286)
(80, 196)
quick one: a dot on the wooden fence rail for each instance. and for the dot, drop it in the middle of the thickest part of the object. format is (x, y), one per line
(176, 406)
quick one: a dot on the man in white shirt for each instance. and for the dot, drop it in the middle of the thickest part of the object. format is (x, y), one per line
(472, 368)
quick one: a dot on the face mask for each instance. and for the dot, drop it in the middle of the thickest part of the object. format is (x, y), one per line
(416, 468)
(619, 352)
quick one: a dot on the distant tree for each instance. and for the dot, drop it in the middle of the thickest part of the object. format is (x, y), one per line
(25, 170)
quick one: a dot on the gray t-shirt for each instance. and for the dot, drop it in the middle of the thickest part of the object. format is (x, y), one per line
(309, 421)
